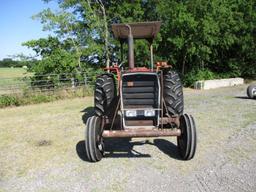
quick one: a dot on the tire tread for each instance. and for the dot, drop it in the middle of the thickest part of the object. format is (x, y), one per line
(173, 93)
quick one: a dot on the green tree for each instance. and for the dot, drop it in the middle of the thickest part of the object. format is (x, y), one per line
(200, 38)
(56, 56)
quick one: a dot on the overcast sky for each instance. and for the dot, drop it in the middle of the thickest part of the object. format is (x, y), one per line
(16, 25)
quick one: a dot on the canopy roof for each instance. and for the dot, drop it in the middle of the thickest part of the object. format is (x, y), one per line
(142, 30)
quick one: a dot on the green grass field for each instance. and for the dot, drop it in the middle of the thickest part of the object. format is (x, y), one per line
(10, 79)
(19, 92)
(12, 72)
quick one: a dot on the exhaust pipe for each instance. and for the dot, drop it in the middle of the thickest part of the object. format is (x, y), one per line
(131, 48)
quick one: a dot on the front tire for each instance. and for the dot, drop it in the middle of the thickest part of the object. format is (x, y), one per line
(188, 139)
(251, 91)
(93, 139)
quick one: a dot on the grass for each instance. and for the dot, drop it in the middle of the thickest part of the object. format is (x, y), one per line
(12, 72)
(14, 90)
(38, 143)
(10, 80)
(41, 132)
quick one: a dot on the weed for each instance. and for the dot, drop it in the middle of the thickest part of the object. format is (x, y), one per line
(9, 100)
(43, 143)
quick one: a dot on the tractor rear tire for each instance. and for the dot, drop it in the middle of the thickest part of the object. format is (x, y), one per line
(251, 91)
(104, 94)
(94, 147)
(173, 93)
(188, 139)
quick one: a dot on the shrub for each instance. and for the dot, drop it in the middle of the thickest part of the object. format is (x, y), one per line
(9, 100)
(197, 75)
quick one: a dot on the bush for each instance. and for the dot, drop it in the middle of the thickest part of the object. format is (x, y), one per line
(9, 100)
(197, 75)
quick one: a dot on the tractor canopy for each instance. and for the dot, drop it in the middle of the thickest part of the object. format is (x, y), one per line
(140, 30)
(131, 31)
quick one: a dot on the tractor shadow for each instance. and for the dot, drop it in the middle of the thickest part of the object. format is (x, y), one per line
(88, 112)
(80, 150)
(124, 148)
(168, 148)
(242, 97)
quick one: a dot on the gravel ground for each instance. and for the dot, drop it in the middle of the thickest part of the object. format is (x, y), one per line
(42, 149)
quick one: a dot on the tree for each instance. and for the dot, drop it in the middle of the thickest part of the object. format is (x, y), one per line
(7, 62)
(207, 39)
(56, 56)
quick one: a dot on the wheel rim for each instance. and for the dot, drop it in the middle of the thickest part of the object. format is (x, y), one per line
(100, 142)
(254, 92)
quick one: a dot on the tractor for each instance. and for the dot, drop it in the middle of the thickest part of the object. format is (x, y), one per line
(134, 101)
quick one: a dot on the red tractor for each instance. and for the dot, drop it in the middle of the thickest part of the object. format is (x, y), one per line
(142, 102)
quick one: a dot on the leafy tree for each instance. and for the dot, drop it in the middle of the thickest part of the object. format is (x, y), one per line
(201, 38)
(56, 57)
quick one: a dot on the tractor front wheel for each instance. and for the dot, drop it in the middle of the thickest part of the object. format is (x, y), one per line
(251, 91)
(94, 146)
(187, 141)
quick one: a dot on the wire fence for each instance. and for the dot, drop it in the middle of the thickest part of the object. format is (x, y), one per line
(49, 83)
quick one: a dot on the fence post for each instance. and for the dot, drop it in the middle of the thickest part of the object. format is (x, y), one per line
(85, 81)
(73, 82)
(85, 85)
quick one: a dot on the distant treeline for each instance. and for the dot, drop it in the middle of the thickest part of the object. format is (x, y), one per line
(8, 62)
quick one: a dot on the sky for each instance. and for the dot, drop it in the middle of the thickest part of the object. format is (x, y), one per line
(17, 26)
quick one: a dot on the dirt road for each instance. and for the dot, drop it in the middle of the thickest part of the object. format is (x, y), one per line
(42, 149)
